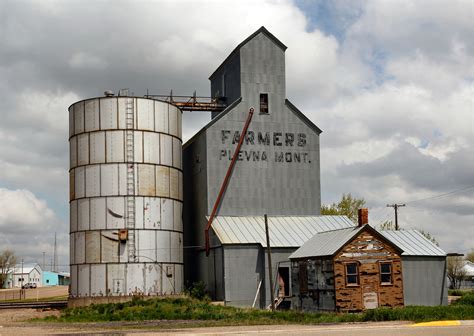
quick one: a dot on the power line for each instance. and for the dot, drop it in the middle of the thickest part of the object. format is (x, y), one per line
(458, 191)
(395, 207)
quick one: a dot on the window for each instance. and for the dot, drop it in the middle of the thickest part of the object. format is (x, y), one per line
(386, 273)
(352, 274)
(264, 103)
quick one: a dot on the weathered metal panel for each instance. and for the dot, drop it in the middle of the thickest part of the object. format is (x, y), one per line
(72, 258)
(72, 184)
(180, 124)
(80, 246)
(123, 253)
(173, 120)
(109, 180)
(167, 213)
(116, 279)
(180, 186)
(71, 121)
(163, 246)
(140, 211)
(115, 150)
(178, 278)
(73, 216)
(161, 117)
(83, 280)
(174, 183)
(177, 150)
(92, 247)
(413, 243)
(121, 103)
(73, 152)
(115, 212)
(135, 278)
(79, 182)
(166, 151)
(123, 178)
(162, 181)
(92, 115)
(109, 246)
(176, 250)
(146, 180)
(177, 216)
(168, 276)
(92, 180)
(79, 117)
(83, 214)
(152, 213)
(73, 280)
(97, 147)
(108, 113)
(146, 247)
(152, 279)
(98, 280)
(138, 146)
(151, 147)
(97, 213)
(145, 112)
(417, 290)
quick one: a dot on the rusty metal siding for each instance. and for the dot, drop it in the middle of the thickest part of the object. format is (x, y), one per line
(98, 178)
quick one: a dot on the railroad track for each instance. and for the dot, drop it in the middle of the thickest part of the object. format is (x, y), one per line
(33, 304)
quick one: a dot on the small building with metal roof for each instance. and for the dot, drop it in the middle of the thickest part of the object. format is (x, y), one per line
(361, 268)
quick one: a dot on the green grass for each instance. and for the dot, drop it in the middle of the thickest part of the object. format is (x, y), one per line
(459, 292)
(180, 309)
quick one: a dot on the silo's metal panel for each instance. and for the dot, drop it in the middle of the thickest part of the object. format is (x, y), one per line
(115, 212)
(108, 113)
(83, 214)
(121, 102)
(116, 279)
(180, 186)
(73, 152)
(73, 216)
(174, 183)
(83, 149)
(161, 117)
(162, 181)
(92, 181)
(71, 249)
(92, 115)
(115, 148)
(168, 274)
(122, 168)
(109, 246)
(71, 121)
(177, 218)
(173, 115)
(109, 181)
(138, 146)
(79, 117)
(92, 247)
(177, 153)
(97, 213)
(123, 253)
(98, 280)
(146, 180)
(166, 151)
(80, 246)
(135, 278)
(146, 120)
(140, 211)
(162, 246)
(166, 212)
(152, 279)
(72, 184)
(73, 280)
(178, 278)
(152, 213)
(151, 141)
(79, 183)
(83, 280)
(146, 246)
(180, 124)
(97, 147)
(176, 247)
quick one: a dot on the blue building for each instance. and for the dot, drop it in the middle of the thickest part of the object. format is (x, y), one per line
(50, 278)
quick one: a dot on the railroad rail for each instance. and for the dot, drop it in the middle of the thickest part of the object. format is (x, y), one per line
(33, 304)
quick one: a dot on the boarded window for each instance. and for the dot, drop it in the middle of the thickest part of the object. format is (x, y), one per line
(264, 103)
(386, 273)
(303, 277)
(352, 274)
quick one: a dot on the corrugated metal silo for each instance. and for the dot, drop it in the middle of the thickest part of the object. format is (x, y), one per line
(125, 197)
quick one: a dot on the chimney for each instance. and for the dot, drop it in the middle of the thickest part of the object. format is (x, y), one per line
(363, 216)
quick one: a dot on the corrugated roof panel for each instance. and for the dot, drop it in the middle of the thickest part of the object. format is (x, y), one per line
(413, 243)
(285, 231)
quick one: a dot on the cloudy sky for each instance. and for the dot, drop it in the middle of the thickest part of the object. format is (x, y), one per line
(390, 83)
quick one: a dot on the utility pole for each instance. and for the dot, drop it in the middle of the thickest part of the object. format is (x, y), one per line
(22, 274)
(270, 275)
(44, 261)
(395, 207)
(55, 265)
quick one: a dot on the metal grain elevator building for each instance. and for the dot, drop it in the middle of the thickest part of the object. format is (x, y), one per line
(277, 173)
(126, 232)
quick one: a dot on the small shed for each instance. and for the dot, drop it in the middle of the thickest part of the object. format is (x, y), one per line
(350, 269)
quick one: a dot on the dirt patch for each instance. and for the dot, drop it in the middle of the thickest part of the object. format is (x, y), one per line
(9, 316)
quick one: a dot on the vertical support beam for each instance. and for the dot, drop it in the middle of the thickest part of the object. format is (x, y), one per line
(270, 267)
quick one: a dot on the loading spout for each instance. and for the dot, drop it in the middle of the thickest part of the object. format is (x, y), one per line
(227, 179)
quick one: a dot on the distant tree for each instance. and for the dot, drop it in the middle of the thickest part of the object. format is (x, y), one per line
(429, 236)
(7, 263)
(470, 256)
(347, 206)
(387, 226)
(455, 271)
